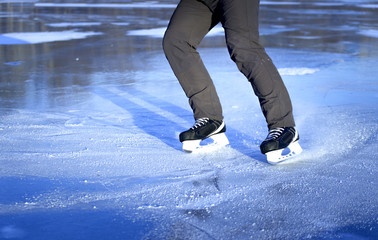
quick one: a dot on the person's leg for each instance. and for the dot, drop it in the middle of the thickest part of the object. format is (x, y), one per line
(240, 21)
(191, 21)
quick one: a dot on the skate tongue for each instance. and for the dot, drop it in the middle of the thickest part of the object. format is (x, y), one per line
(274, 133)
(200, 122)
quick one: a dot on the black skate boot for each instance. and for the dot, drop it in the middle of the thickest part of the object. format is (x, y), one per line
(204, 128)
(277, 141)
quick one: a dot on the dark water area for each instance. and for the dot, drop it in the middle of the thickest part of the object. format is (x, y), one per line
(328, 26)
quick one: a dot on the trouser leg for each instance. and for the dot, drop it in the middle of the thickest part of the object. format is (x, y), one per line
(191, 21)
(240, 21)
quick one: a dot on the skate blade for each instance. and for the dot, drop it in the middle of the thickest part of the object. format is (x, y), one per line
(275, 157)
(194, 146)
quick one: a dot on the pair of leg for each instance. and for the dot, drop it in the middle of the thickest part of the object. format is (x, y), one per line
(191, 21)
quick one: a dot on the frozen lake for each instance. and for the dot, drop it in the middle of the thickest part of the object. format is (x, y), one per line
(90, 115)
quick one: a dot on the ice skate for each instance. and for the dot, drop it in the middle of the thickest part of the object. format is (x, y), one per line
(281, 144)
(202, 129)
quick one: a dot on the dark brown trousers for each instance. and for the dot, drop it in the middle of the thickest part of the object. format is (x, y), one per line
(189, 24)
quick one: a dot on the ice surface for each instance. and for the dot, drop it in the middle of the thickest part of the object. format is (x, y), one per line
(89, 124)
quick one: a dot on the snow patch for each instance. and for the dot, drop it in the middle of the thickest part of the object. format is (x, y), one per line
(216, 31)
(369, 33)
(18, 1)
(297, 71)
(77, 24)
(323, 4)
(374, 6)
(107, 5)
(278, 3)
(121, 23)
(153, 32)
(42, 37)
(159, 32)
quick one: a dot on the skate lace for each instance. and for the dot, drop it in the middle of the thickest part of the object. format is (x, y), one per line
(200, 122)
(274, 134)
